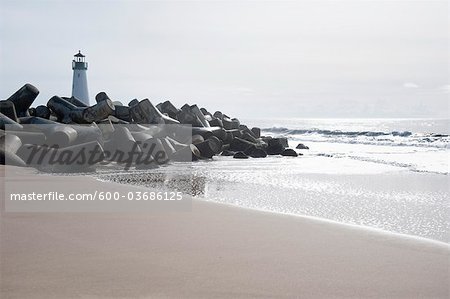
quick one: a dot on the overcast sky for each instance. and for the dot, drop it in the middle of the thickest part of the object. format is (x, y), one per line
(249, 59)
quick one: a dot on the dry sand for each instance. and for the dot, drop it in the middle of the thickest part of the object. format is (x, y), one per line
(213, 251)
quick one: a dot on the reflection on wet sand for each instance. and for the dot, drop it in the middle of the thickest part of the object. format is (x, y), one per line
(188, 183)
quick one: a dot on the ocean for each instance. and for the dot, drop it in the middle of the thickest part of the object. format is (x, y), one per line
(387, 174)
(419, 145)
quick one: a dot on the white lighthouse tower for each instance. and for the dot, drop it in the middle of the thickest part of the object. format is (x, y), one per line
(79, 83)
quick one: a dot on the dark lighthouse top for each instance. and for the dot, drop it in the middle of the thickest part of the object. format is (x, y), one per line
(78, 62)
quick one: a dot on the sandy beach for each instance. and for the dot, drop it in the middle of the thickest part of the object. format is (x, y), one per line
(213, 251)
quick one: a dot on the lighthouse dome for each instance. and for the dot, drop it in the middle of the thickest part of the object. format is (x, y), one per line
(79, 54)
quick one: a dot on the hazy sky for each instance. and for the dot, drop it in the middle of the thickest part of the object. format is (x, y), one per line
(249, 59)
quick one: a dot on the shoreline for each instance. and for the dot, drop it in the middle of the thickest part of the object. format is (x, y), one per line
(333, 222)
(312, 218)
(395, 200)
(211, 251)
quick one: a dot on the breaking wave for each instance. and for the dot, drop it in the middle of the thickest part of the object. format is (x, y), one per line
(394, 138)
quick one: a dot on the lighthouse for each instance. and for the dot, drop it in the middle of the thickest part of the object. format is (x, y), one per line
(79, 83)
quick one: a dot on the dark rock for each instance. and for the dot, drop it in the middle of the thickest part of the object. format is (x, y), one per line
(101, 96)
(228, 138)
(241, 145)
(8, 158)
(114, 120)
(187, 153)
(121, 146)
(235, 133)
(227, 124)
(106, 127)
(282, 140)
(146, 113)
(216, 122)
(256, 131)
(140, 136)
(122, 112)
(169, 108)
(244, 128)
(211, 131)
(68, 112)
(176, 144)
(248, 137)
(289, 152)
(168, 147)
(240, 155)
(88, 133)
(7, 123)
(42, 112)
(8, 109)
(195, 110)
(235, 123)
(133, 102)
(266, 139)
(75, 101)
(60, 135)
(56, 134)
(155, 147)
(198, 138)
(97, 112)
(34, 120)
(209, 118)
(185, 116)
(227, 153)
(181, 133)
(31, 137)
(23, 98)
(225, 146)
(9, 145)
(301, 146)
(258, 153)
(218, 115)
(210, 147)
(275, 146)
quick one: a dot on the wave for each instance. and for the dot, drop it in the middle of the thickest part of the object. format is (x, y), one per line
(410, 166)
(394, 138)
(344, 133)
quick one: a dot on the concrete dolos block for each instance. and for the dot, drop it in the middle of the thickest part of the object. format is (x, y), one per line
(69, 113)
(75, 101)
(210, 147)
(8, 109)
(23, 98)
(42, 111)
(9, 145)
(145, 113)
(7, 123)
(168, 108)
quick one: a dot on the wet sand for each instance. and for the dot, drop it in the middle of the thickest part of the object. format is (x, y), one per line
(210, 251)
